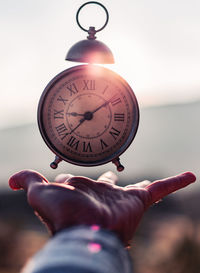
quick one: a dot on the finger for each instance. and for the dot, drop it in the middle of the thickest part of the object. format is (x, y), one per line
(61, 178)
(25, 178)
(81, 183)
(142, 184)
(161, 188)
(109, 177)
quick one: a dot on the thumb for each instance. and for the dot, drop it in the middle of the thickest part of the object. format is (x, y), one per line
(161, 188)
(25, 178)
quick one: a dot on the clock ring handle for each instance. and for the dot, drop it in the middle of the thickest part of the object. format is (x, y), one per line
(87, 3)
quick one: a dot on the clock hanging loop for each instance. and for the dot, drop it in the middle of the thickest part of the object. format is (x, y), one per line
(90, 50)
(88, 30)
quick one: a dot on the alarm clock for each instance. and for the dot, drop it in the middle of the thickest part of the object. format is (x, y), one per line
(88, 115)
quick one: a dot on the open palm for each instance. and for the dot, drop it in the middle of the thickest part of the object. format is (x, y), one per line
(76, 200)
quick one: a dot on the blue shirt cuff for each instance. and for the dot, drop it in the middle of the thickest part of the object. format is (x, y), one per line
(81, 249)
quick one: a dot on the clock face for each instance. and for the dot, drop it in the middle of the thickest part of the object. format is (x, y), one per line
(88, 115)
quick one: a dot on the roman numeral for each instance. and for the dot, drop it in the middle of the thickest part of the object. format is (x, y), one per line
(87, 147)
(58, 114)
(103, 144)
(60, 98)
(61, 130)
(72, 88)
(89, 85)
(118, 117)
(73, 142)
(114, 133)
(115, 100)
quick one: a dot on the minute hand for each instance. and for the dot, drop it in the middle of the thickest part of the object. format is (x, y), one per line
(102, 105)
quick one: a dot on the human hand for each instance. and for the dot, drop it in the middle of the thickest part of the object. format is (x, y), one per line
(77, 200)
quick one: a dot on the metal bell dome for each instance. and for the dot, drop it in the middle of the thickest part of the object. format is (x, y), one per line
(90, 51)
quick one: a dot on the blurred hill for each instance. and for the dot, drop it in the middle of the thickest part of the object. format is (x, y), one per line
(167, 143)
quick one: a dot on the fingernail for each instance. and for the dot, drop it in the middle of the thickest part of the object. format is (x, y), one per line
(190, 177)
(13, 184)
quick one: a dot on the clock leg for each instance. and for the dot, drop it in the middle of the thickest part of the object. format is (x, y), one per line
(117, 163)
(55, 163)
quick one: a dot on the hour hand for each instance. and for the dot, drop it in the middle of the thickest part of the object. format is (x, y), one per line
(74, 114)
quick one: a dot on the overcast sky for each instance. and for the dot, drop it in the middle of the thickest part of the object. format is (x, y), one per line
(156, 45)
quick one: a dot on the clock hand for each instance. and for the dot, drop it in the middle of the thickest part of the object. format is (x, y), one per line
(74, 114)
(102, 105)
(80, 122)
(88, 115)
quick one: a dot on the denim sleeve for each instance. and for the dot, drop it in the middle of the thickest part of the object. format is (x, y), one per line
(81, 249)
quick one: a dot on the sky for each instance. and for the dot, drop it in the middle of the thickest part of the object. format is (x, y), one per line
(156, 45)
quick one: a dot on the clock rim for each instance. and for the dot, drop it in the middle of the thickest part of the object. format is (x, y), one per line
(50, 145)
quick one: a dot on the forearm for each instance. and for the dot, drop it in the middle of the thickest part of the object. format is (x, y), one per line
(81, 250)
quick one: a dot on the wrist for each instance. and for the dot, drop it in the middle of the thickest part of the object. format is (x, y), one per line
(88, 232)
(87, 247)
